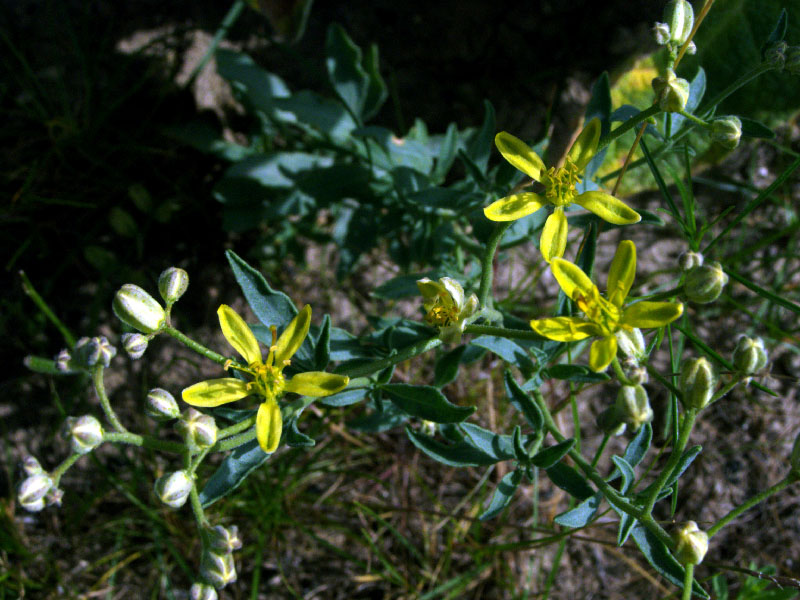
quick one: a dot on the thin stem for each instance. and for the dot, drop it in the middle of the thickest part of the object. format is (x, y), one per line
(520, 334)
(665, 295)
(393, 359)
(600, 449)
(28, 288)
(197, 509)
(697, 20)
(56, 473)
(759, 69)
(694, 119)
(236, 428)
(677, 451)
(627, 126)
(688, 579)
(192, 345)
(144, 441)
(757, 499)
(628, 158)
(100, 389)
(234, 441)
(623, 379)
(227, 23)
(487, 266)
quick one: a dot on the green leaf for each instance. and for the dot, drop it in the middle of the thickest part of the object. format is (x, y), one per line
(447, 154)
(777, 34)
(660, 558)
(376, 88)
(569, 480)
(544, 459)
(389, 417)
(347, 76)
(481, 144)
(232, 472)
(599, 107)
(446, 369)
(636, 449)
(764, 293)
(460, 454)
(37, 364)
(686, 459)
(402, 286)
(269, 306)
(318, 115)
(577, 373)
(322, 347)
(502, 495)
(258, 87)
(753, 129)
(523, 403)
(345, 398)
(426, 402)
(294, 437)
(500, 447)
(626, 525)
(581, 515)
(626, 469)
(509, 351)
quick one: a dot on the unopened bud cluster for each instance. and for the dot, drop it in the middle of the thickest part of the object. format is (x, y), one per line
(726, 131)
(697, 383)
(672, 92)
(198, 430)
(705, 283)
(86, 355)
(174, 488)
(217, 565)
(85, 433)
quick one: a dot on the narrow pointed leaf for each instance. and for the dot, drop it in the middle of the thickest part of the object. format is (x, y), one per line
(544, 459)
(502, 495)
(269, 306)
(581, 515)
(454, 455)
(426, 402)
(523, 402)
(232, 472)
(660, 558)
(626, 469)
(569, 480)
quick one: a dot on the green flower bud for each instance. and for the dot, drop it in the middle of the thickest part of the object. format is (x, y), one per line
(218, 569)
(135, 344)
(199, 430)
(726, 131)
(697, 382)
(704, 284)
(638, 375)
(30, 466)
(775, 56)
(793, 60)
(135, 307)
(172, 284)
(85, 433)
(174, 488)
(689, 260)
(90, 352)
(631, 343)
(610, 422)
(679, 16)
(161, 405)
(691, 544)
(201, 591)
(672, 93)
(64, 362)
(221, 539)
(33, 490)
(691, 49)
(633, 406)
(661, 33)
(749, 356)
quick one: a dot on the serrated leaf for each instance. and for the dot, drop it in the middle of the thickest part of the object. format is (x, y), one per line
(523, 403)
(446, 369)
(232, 472)
(459, 454)
(581, 515)
(544, 459)
(426, 402)
(569, 480)
(660, 558)
(502, 495)
(269, 306)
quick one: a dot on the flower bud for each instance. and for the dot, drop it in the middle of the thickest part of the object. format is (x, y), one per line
(679, 17)
(135, 344)
(54, 496)
(691, 49)
(161, 405)
(631, 343)
(173, 488)
(704, 284)
(697, 382)
(64, 362)
(218, 569)
(633, 406)
(135, 307)
(793, 60)
(691, 544)
(638, 375)
(610, 423)
(85, 433)
(201, 591)
(689, 260)
(31, 466)
(672, 92)
(172, 283)
(199, 430)
(775, 56)
(221, 539)
(726, 131)
(661, 33)
(33, 491)
(749, 356)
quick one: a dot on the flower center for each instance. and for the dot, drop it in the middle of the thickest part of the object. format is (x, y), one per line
(602, 312)
(269, 381)
(559, 183)
(442, 315)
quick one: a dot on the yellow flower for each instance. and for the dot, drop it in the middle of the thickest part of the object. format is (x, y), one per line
(447, 308)
(559, 190)
(268, 380)
(604, 317)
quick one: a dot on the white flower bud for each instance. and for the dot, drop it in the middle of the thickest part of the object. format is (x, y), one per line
(135, 307)
(198, 429)
(172, 284)
(750, 356)
(631, 343)
(33, 491)
(218, 569)
(633, 406)
(697, 382)
(691, 544)
(174, 488)
(201, 591)
(161, 405)
(689, 260)
(223, 540)
(679, 16)
(661, 33)
(31, 466)
(64, 362)
(726, 131)
(135, 344)
(85, 433)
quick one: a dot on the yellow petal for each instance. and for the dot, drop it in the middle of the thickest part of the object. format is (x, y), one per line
(608, 208)
(651, 314)
(429, 289)
(554, 235)
(565, 329)
(573, 280)
(519, 154)
(514, 207)
(316, 384)
(292, 337)
(602, 353)
(585, 146)
(269, 425)
(215, 392)
(238, 334)
(622, 272)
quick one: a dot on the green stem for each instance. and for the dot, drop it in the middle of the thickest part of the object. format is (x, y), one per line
(665, 295)
(100, 388)
(623, 379)
(144, 441)
(197, 509)
(688, 579)
(627, 126)
(197, 460)
(57, 473)
(758, 498)
(393, 359)
(520, 334)
(192, 345)
(234, 441)
(743, 80)
(227, 23)
(236, 428)
(694, 119)
(600, 449)
(28, 288)
(677, 451)
(487, 266)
